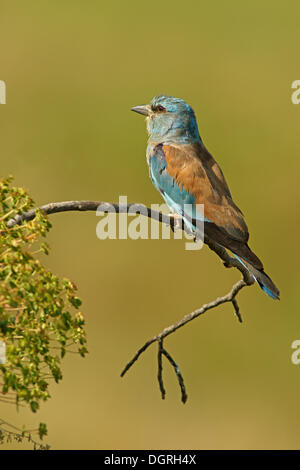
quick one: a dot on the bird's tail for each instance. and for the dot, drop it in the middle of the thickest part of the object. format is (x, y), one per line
(263, 280)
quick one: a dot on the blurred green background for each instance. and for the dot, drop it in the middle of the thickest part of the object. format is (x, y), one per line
(73, 69)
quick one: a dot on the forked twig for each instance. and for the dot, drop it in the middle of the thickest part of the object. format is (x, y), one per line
(228, 262)
(230, 297)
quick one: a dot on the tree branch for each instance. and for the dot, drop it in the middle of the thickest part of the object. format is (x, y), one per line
(171, 221)
(230, 297)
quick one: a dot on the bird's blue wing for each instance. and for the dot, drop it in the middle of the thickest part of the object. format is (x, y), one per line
(177, 198)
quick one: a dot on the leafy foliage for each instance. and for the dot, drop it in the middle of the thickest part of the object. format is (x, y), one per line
(39, 317)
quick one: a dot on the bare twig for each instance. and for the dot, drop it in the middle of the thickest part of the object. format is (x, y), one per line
(67, 206)
(159, 373)
(237, 310)
(228, 262)
(178, 374)
(230, 297)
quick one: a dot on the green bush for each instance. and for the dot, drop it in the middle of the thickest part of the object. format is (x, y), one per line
(39, 317)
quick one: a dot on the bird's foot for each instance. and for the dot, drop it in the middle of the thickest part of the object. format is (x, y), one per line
(176, 221)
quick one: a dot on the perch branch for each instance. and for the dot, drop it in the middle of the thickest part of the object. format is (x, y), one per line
(228, 262)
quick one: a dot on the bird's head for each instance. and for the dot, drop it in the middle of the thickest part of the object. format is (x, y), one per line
(169, 120)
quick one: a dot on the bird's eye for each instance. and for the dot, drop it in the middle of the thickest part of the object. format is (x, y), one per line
(159, 108)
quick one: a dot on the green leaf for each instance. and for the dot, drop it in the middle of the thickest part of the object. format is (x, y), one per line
(42, 430)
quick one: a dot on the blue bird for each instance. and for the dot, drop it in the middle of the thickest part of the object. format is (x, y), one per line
(184, 172)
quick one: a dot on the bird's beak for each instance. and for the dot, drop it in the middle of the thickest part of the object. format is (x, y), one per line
(143, 109)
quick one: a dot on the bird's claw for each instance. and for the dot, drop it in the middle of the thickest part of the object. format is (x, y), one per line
(176, 221)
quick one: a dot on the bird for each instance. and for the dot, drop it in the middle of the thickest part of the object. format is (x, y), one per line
(184, 172)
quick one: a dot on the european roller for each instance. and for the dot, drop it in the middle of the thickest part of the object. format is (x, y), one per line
(185, 173)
